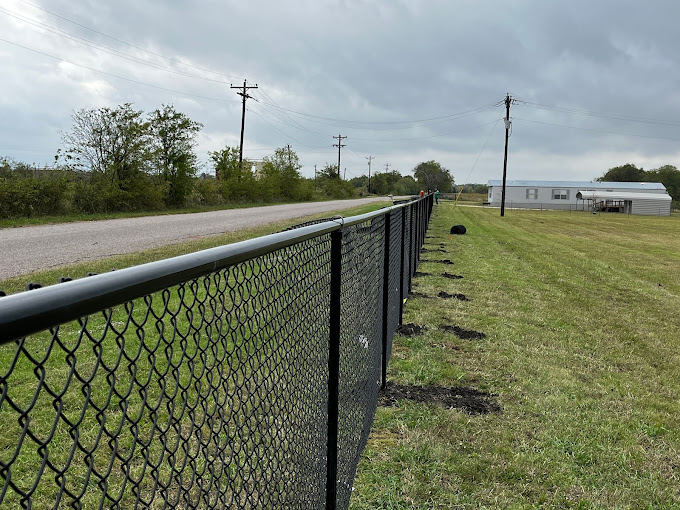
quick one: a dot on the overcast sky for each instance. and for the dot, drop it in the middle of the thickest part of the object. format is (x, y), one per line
(597, 82)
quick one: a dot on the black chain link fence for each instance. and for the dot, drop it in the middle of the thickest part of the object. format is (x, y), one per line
(245, 376)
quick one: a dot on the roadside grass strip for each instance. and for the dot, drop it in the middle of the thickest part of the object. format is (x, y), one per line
(577, 348)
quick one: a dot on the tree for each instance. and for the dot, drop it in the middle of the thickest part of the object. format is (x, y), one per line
(623, 173)
(281, 177)
(173, 139)
(332, 186)
(237, 180)
(431, 175)
(113, 145)
(669, 176)
(385, 183)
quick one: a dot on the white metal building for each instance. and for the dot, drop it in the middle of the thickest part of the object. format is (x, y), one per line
(648, 198)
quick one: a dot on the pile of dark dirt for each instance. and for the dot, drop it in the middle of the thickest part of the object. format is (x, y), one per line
(452, 276)
(418, 273)
(469, 400)
(410, 329)
(446, 295)
(445, 261)
(465, 334)
(458, 230)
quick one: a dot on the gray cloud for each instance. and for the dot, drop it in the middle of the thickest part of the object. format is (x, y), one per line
(369, 62)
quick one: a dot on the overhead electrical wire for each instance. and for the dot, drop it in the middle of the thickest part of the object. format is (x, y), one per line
(127, 43)
(117, 76)
(473, 111)
(577, 111)
(101, 47)
(596, 130)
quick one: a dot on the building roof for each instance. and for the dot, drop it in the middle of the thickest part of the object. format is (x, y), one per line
(581, 184)
(620, 195)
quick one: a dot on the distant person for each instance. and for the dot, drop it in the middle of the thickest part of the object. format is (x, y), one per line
(422, 192)
(436, 196)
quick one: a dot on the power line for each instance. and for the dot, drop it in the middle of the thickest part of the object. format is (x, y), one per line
(596, 130)
(576, 111)
(476, 110)
(115, 75)
(101, 47)
(125, 42)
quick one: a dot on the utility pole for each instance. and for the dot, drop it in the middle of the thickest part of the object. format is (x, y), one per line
(387, 167)
(288, 147)
(339, 145)
(314, 176)
(244, 95)
(369, 158)
(508, 101)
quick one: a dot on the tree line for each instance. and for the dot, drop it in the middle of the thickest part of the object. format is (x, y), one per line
(123, 159)
(668, 175)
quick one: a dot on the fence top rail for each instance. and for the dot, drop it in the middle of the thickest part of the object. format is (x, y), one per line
(32, 311)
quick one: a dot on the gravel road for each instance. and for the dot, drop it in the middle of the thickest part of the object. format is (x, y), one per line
(27, 249)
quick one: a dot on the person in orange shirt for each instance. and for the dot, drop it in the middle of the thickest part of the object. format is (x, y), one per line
(422, 192)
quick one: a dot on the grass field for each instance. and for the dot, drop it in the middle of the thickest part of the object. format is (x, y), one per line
(581, 354)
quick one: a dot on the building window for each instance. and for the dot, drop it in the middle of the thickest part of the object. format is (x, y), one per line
(560, 194)
(532, 193)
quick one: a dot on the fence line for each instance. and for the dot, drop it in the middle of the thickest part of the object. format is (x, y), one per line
(244, 376)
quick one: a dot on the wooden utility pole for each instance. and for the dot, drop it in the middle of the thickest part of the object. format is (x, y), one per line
(244, 95)
(314, 176)
(387, 167)
(288, 147)
(339, 145)
(508, 101)
(369, 158)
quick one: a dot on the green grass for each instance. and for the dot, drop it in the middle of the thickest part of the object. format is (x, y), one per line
(582, 351)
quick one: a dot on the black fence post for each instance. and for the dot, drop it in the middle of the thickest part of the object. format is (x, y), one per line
(411, 243)
(402, 266)
(386, 297)
(333, 370)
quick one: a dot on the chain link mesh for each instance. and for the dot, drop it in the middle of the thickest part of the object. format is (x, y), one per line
(360, 345)
(209, 394)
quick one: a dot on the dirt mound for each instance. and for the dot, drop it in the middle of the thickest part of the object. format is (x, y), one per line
(452, 276)
(458, 230)
(410, 329)
(465, 334)
(446, 295)
(469, 400)
(445, 261)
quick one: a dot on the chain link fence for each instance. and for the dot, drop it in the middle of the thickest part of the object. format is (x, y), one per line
(244, 376)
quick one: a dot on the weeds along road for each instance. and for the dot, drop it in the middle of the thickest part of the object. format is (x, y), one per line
(27, 249)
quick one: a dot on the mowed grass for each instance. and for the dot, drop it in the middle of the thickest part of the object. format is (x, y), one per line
(582, 352)
(79, 270)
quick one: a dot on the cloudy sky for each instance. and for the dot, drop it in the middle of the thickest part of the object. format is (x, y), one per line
(597, 82)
